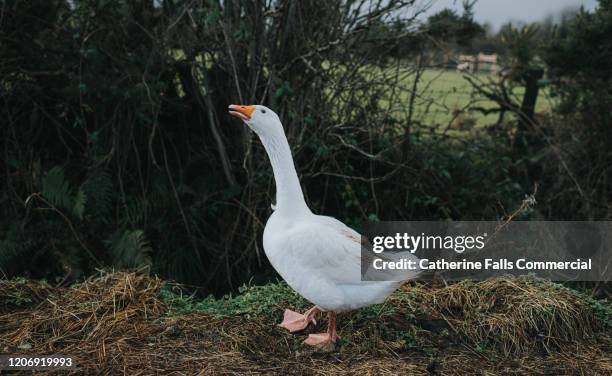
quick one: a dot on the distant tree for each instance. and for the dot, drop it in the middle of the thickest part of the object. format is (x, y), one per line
(579, 57)
(450, 27)
(487, 42)
(523, 66)
(579, 61)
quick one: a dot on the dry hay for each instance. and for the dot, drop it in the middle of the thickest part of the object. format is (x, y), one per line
(515, 314)
(112, 309)
(117, 324)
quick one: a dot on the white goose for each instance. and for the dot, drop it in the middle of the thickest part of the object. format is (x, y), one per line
(318, 256)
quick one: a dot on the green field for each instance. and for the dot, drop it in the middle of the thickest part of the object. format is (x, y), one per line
(441, 92)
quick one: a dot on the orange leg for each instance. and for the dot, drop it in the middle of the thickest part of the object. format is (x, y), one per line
(294, 321)
(322, 339)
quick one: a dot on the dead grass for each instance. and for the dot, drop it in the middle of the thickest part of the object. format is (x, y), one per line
(120, 323)
(515, 315)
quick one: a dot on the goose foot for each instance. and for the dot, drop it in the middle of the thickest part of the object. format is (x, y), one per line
(295, 321)
(325, 340)
(321, 339)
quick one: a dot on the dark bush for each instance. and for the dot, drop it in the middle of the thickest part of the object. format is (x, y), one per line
(119, 152)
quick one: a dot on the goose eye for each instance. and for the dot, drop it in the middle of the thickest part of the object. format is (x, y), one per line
(263, 111)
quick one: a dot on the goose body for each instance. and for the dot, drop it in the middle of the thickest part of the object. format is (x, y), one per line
(318, 256)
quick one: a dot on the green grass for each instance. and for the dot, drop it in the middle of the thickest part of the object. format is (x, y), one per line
(443, 91)
(440, 93)
(258, 300)
(250, 300)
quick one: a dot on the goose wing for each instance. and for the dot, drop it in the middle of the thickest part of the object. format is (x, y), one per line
(328, 247)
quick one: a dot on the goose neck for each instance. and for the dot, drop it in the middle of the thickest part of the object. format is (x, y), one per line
(289, 195)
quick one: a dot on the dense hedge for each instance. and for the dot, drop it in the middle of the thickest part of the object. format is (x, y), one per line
(119, 152)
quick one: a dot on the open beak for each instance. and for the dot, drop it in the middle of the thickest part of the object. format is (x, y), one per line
(241, 112)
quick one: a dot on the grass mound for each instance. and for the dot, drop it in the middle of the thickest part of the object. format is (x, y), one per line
(111, 309)
(128, 323)
(515, 315)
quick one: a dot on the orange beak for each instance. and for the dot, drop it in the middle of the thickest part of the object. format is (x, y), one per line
(241, 112)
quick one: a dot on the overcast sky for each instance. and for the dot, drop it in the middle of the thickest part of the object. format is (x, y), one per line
(498, 12)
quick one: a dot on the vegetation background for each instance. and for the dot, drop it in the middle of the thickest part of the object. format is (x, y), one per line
(117, 150)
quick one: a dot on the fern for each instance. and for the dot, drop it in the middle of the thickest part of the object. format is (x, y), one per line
(98, 188)
(56, 189)
(79, 203)
(130, 249)
(138, 210)
(60, 194)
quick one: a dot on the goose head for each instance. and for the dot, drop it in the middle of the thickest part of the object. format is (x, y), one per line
(260, 119)
(266, 124)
